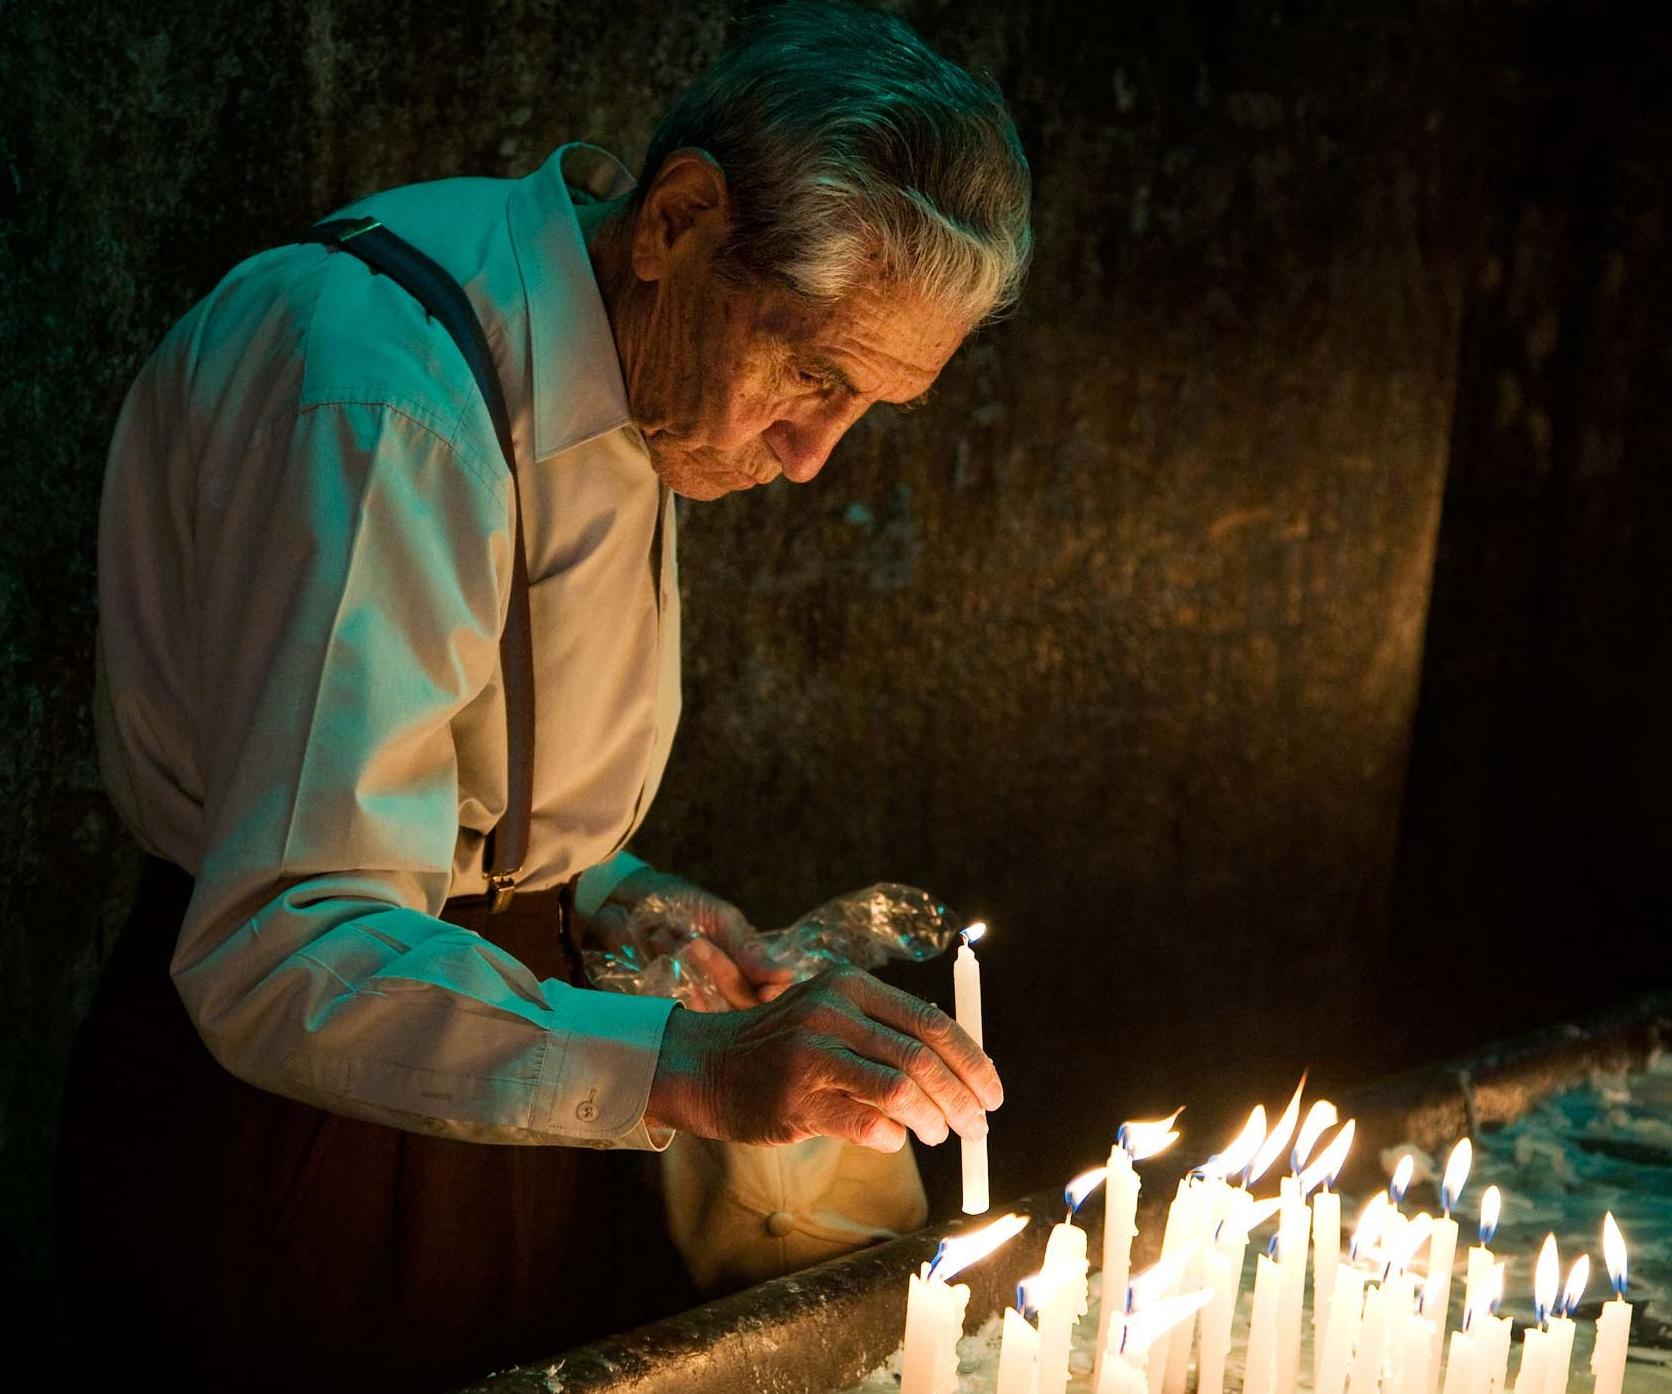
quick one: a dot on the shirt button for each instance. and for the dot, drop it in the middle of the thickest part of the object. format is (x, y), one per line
(779, 1223)
(586, 1110)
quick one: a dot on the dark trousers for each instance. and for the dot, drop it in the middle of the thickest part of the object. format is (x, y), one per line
(226, 1238)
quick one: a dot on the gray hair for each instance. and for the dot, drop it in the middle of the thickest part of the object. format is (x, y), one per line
(854, 153)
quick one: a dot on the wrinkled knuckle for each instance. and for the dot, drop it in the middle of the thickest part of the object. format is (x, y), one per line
(900, 1093)
(915, 1057)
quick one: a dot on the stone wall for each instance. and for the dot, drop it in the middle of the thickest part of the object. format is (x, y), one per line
(1117, 643)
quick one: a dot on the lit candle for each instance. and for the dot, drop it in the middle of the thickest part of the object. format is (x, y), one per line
(1294, 1233)
(1416, 1353)
(1492, 1337)
(1134, 1141)
(966, 988)
(1019, 1351)
(1222, 1268)
(935, 1307)
(1398, 1184)
(1478, 1275)
(1372, 1342)
(1562, 1326)
(1260, 1368)
(1326, 1237)
(1203, 1199)
(1535, 1344)
(1065, 1274)
(1345, 1313)
(1460, 1359)
(1133, 1335)
(1442, 1253)
(1408, 1342)
(1608, 1358)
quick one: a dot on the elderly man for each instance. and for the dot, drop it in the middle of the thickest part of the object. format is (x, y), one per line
(342, 1112)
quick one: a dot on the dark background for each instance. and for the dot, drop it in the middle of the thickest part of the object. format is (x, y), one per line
(1266, 628)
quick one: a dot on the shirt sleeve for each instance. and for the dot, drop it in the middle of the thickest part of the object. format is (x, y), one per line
(350, 600)
(593, 886)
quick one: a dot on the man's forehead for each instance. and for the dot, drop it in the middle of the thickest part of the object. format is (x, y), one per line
(874, 334)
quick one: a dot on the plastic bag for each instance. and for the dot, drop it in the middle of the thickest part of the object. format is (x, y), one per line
(864, 928)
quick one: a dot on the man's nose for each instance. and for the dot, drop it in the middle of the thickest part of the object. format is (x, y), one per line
(803, 446)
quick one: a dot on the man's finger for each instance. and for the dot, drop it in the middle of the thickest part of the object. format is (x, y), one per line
(919, 1019)
(955, 1100)
(890, 1092)
(727, 978)
(836, 1115)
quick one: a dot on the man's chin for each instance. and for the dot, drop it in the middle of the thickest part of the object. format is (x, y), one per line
(692, 477)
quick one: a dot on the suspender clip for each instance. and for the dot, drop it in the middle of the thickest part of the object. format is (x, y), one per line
(502, 887)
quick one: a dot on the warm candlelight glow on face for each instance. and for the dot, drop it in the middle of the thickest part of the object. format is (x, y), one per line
(1145, 1138)
(1457, 1173)
(1574, 1289)
(1320, 1118)
(1490, 1204)
(971, 932)
(1328, 1166)
(1614, 1253)
(1372, 1221)
(1148, 1324)
(1545, 1277)
(1278, 1139)
(1075, 1192)
(1401, 1179)
(1241, 1151)
(959, 1251)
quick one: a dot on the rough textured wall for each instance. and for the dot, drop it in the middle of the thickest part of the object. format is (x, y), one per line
(1117, 642)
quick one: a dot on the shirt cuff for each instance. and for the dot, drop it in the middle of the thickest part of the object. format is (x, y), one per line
(593, 886)
(599, 1068)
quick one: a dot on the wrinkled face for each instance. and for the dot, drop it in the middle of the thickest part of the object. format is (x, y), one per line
(734, 385)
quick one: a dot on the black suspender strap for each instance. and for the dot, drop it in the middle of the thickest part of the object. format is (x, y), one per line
(445, 301)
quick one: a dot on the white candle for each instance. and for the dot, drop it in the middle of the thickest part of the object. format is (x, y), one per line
(1294, 1230)
(1345, 1314)
(1562, 1327)
(934, 1321)
(1197, 1229)
(1460, 1362)
(1133, 1333)
(1326, 1226)
(1479, 1273)
(1608, 1357)
(1536, 1345)
(966, 987)
(1492, 1337)
(1260, 1369)
(1442, 1253)
(1065, 1304)
(935, 1307)
(1222, 1262)
(1372, 1342)
(1018, 1354)
(1134, 1141)
(1418, 1347)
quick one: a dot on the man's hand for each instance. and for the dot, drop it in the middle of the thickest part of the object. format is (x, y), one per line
(715, 938)
(840, 1056)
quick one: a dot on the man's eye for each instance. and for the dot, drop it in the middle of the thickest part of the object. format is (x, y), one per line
(808, 378)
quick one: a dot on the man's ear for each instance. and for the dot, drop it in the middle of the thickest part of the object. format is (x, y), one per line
(687, 207)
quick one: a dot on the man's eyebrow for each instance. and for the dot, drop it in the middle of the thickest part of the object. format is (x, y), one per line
(833, 370)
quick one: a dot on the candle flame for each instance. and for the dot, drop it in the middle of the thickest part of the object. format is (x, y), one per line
(1035, 1291)
(1457, 1173)
(1328, 1166)
(1242, 1149)
(1545, 1277)
(1075, 1192)
(1142, 1328)
(1159, 1279)
(1490, 1204)
(1400, 1182)
(973, 931)
(1572, 1290)
(1408, 1243)
(1372, 1220)
(1256, 1212)
(959, 1251)
(1614, 1254)
(1278, 1139)
(1319, 1119)
(1144, 1138)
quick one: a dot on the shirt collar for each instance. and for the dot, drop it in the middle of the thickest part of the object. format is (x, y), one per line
(579, 393)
